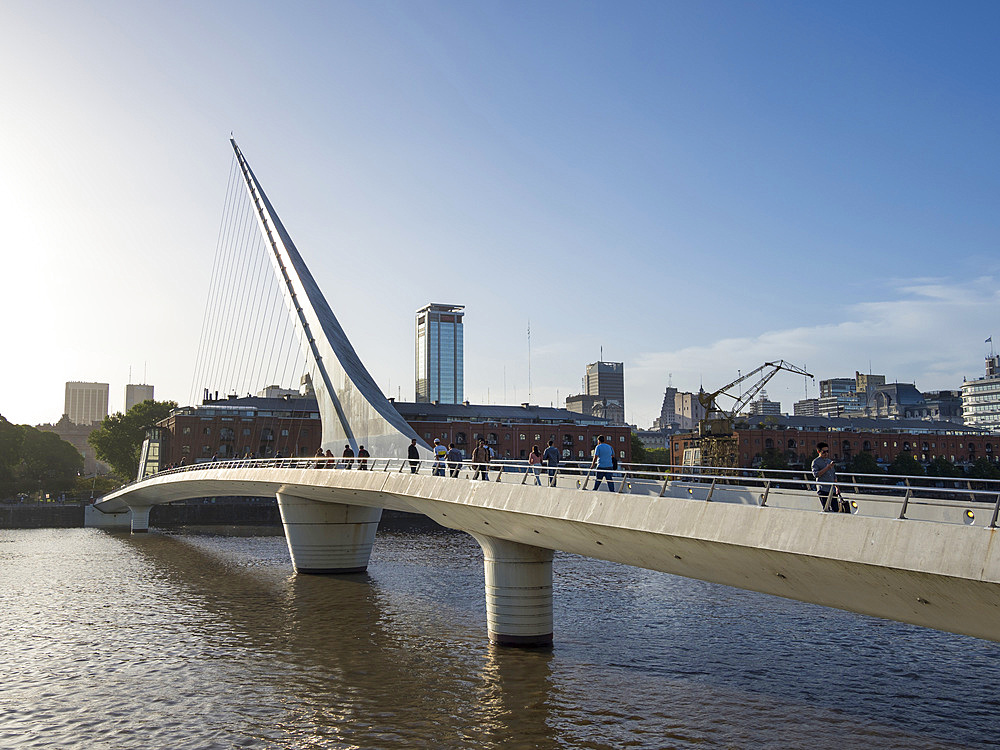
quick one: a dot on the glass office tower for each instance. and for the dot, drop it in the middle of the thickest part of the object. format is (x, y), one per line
(440, 354)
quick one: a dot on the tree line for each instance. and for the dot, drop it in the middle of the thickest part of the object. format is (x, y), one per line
(35, 464)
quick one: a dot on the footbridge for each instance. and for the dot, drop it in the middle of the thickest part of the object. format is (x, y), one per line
(926, 556)
(902, 553)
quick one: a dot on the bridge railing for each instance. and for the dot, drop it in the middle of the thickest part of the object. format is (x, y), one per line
(880, 494)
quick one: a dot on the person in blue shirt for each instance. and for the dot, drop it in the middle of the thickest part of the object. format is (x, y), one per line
(604, 461)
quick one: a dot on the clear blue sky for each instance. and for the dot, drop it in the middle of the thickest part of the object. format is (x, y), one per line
(698, 187)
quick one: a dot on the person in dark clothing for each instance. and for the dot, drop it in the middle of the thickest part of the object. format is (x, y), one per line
(363, 457)
(551, 458)
(481, 459)
(348, 456)
(454, 458)
(414, 455)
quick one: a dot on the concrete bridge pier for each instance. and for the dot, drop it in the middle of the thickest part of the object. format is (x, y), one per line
(518, 592)
(327, 537)
(140, 518)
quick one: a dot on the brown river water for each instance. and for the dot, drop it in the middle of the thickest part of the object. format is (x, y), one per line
(208, 640)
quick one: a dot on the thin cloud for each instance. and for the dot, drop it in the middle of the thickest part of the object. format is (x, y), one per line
(931, 335)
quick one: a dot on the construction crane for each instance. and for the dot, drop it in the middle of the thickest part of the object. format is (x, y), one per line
(718, 446)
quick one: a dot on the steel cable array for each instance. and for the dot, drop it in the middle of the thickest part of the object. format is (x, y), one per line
(248, 339)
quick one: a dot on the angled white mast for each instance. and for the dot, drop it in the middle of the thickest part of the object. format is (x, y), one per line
(352, 407)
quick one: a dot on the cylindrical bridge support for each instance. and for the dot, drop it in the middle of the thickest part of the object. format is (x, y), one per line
(518, 592)
(327, 537)
(140, 518)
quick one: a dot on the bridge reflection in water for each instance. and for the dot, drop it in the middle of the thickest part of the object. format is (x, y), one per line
(206, 640)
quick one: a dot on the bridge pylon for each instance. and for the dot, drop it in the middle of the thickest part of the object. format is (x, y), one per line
(518, 592)
(327, 537)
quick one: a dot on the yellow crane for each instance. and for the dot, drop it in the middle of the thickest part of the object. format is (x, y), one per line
(718, 446)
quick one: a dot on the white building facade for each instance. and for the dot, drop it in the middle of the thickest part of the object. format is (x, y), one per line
(981, 398)
(86, 403)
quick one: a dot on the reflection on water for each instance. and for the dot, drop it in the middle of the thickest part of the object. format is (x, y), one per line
(205, 641)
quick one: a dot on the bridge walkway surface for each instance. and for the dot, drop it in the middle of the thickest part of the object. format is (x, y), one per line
(910, 552)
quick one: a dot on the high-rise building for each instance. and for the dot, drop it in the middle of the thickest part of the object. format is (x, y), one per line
(606, 382)
(981, 398)
(668, 411)
(807, 407)
(86, 403)
(440, 356)
(837, 396)
(136, 394)
(764, 407)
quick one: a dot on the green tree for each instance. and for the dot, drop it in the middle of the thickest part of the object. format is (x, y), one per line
(904, 463)
(983, 468)
(864, 463)
(638, 450)
(773, 459)
(658, 456)
(11, 437)
(118, 441)
(942, 467)
(47, 461)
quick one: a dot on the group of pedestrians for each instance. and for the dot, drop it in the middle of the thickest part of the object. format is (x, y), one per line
(447, 461)
(348, 459)
(450, 459)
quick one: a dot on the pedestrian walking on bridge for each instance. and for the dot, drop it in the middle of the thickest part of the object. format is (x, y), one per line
(604, 461)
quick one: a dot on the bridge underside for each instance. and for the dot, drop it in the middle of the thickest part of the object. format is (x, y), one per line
(938, 575)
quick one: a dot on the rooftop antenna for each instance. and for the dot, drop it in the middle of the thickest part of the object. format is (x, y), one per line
(529, 360)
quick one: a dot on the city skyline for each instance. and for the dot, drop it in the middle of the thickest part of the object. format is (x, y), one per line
(695, 189)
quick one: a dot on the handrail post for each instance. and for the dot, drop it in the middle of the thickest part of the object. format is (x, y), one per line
(767, 489)
(906, 501)
(666, 481)
(996, 511)
(829, 499)
(499, 473)
(711, 490)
